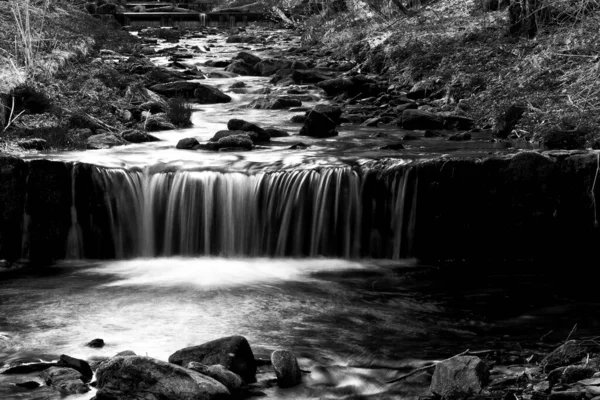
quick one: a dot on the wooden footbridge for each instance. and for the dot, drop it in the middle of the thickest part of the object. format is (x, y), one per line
(195, 13)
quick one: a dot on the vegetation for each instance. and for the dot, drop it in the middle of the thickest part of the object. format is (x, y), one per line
(481, 56)
(179, 112)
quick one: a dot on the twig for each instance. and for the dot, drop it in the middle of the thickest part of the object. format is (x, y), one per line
(542, 338)
(13, 120)
(425, 368)
(593, 190)
(572, 331)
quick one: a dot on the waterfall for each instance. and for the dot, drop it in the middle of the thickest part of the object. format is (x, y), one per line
(74, 248)
(306, 213)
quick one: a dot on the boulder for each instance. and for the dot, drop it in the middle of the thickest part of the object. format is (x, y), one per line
(28, 385)
(274, 103)
(231, 381)
(318, 125)
(419, 119)
(304, 76)
(65, 379)
(187, 143)
(507, 120)
(286, 368)
(237, 141)
(205, 94)
(80, 365)
(233, 352)
(241, 125)
(242, 39)
(126, 353)
(142, 378)
(28, 368)
(176, 89)
(460, 136)
(237, 85)
(241, 67)
(134, 136)
(104, 141)
(271, 66)
(298, 119)
(336, 86)
(332, 112)
(459, 377)
(157, 122)
(248, 58)
(96, 343)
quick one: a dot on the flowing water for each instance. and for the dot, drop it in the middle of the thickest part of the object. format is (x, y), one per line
(207, 244)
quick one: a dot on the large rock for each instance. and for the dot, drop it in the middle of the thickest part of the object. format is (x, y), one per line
(286, 368)
(242, 39)
(274, 103)
(241, 125)
(233, 352)
(235, 141)
(65, 379)
(137, 136)
(248, 58)
(175, 89)
(230, 380)
(241, 67)
(104, 141)
(459, 377)
(271, 66)
(419, 119)
(336, 86)
(157, 122)
(318, 125)
(205, 94)
(332, 112)
(144, 378)
(304, 76)
(187, 143)
(80, 365)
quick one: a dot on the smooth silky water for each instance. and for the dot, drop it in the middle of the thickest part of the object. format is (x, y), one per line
(344, 318)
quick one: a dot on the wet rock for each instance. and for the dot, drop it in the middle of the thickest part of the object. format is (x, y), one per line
(140, 378)
(65, 379)
(567, 395)
(241, 125)
(241, 141)
(230, 380)
(574, 373)
(459, 377)
(248, 58)
(433, 133)
(566, 354)
(241, 67)
(187, 143)
(205, 94)
(318, 125)
(459, 137)
(271, 66)
(233, 352)
(276, 132)
(132, 136)
(157, 122)
(460, 122)
(96, 343)
(409, 136)
(336, 86)
(217, 63)
(104, 141)
(126, 353)
(299, 146)
(274, 103)
(299, 119)
(407, 106)
(176, 89)
(419, 119)
(564, 140)
(304, 76)
(508, 119)
(28, 368)
(28, 385)
(332, 112)
(80, 365)
(286, 368)
(33, 144)
(237, 85)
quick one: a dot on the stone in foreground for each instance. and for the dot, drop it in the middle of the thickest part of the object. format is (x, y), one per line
(80, 365)
(318, 125)
(144, 378)
(286, 368)
(241, 125)
(233, 352)
(231, 381)
(459, 377)
(65, 379)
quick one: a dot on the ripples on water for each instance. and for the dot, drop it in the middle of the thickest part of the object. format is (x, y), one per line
(338, 316)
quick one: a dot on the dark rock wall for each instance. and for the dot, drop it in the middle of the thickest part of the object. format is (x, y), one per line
(528, 206)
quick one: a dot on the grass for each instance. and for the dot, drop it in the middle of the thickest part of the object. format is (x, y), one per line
(470, 55)
(179, 112)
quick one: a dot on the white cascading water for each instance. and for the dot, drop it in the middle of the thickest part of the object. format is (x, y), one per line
(290, 213)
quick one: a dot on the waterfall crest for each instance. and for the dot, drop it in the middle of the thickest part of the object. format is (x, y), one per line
(337, 212)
